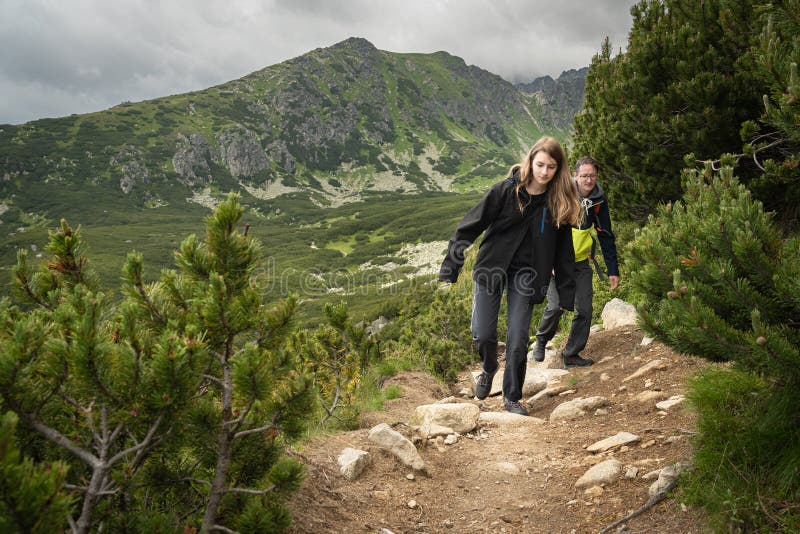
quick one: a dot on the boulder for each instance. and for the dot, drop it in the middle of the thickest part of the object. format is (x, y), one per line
(390, 440)
(618, 313)
(617, 440)
(577, 408)
(602, 473)
(352, 462)
(459, 417)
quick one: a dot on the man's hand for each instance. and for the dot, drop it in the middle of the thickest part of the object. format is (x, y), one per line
(613, 281)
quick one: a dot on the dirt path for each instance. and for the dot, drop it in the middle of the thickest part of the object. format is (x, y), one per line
(506, 478)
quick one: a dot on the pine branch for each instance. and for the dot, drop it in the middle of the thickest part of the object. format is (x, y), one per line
(139, 447)
(220, 528)
(59, 439)
(258, 430)
(247, 491)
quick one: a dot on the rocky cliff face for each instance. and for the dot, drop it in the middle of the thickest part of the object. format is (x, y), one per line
(561, 99)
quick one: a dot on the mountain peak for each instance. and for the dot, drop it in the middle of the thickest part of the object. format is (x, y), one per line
(355, 43)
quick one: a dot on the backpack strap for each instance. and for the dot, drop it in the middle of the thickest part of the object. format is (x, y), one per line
(600, 273)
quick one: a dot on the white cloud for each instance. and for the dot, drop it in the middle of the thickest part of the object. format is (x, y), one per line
(76, 56)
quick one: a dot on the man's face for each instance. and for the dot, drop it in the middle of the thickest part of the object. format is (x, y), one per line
(587, 177)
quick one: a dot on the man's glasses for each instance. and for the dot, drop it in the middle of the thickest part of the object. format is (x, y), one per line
(587, 176)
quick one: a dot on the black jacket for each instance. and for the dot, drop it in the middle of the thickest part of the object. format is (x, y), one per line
(597, 215)
(498, 214)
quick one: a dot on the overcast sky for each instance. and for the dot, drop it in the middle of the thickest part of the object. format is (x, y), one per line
(75, 56)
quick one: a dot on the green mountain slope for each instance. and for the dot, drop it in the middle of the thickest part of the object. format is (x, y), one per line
(335, 126)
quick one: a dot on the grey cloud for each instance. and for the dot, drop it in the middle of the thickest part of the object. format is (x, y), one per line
(83, 55)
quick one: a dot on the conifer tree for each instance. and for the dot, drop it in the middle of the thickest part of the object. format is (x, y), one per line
(173, 405)
(686, 84)
(70, 371)
(251, 391)
(773, 142)
(715, 277)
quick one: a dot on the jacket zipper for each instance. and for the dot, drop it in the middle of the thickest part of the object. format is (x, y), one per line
(544, 215)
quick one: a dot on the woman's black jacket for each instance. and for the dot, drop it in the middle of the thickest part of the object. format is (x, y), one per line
(498, 214)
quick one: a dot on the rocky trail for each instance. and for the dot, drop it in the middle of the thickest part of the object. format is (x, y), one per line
(555, 471)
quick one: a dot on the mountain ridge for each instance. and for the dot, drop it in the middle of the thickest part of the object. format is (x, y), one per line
(332, 119)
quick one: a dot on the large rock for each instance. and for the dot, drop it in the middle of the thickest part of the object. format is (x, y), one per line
(460, 417)
(191, 159)
(617, 440)
(241, 152)
(618, 313)
(602, 473)
(390, 440)
(577, 408)
(352, 462)
(665, 478)
(670, 402)
(129, 163)
(537, 379)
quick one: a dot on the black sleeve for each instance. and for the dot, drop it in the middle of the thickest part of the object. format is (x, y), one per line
(564, 267)
(608, 242)
(467, 231)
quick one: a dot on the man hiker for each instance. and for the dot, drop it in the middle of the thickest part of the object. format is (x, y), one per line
(595, 207)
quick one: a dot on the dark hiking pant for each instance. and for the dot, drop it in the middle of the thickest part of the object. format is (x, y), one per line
(485, 309)
(581, 321)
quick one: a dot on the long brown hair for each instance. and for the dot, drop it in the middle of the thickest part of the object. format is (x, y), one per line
(562, 197)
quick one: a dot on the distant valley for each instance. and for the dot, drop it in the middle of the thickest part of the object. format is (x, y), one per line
(342, 156)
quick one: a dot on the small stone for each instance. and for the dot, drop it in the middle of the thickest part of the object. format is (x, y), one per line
(410, 476)
(669, 403)
(605, 377)
(652, 475)
(412, 504)
(594, 491)
(647, 444)
(631, 472)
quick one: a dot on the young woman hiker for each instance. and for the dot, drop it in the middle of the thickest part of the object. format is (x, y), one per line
(527, 219)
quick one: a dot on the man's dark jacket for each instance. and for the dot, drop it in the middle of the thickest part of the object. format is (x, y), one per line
(506, 229)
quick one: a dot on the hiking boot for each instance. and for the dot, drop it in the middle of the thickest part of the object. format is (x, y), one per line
(514, 407)
(483, 385)
(538, 351)
(577, 361)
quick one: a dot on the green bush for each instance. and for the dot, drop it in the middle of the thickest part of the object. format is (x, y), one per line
(716, 278)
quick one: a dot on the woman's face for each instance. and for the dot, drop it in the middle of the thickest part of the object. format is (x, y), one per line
(544, 168)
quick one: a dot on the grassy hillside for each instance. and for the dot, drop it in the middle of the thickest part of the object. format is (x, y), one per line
(341, 155)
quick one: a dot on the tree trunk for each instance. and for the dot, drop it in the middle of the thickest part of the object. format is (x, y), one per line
(224, 440)
(84, 522)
